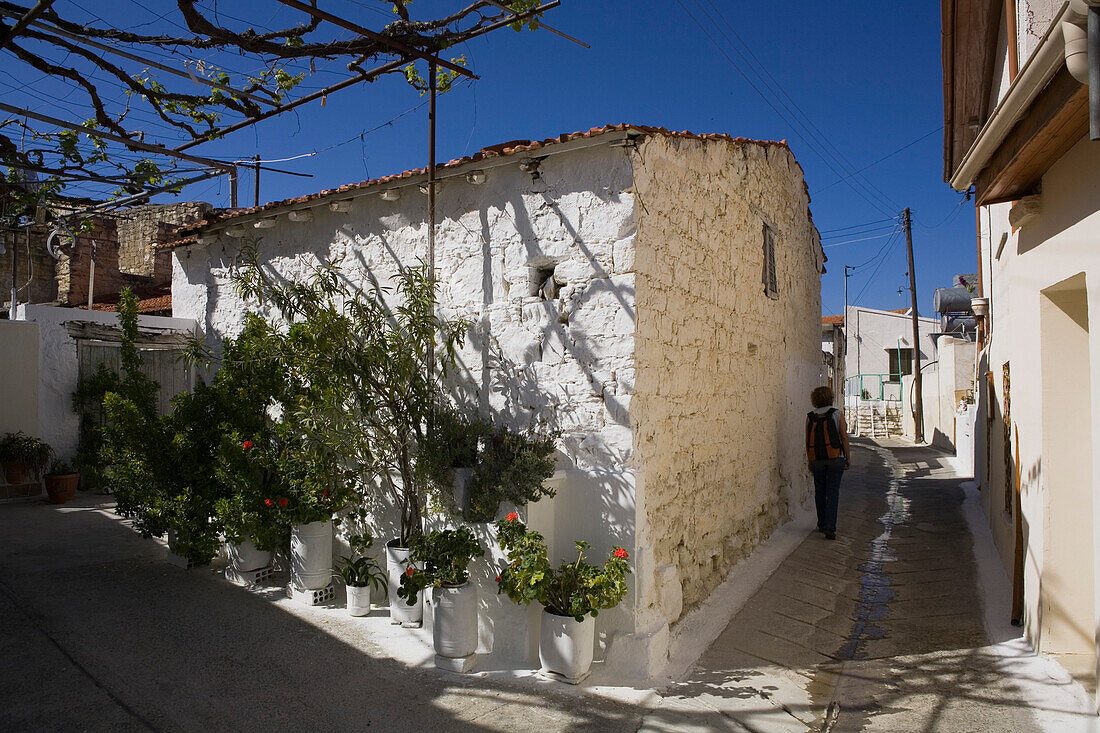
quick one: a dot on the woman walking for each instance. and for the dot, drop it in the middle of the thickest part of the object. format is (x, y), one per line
(828, 453)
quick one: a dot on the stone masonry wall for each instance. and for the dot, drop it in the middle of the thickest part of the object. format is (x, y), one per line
(35, 279)
(723, 371)
(142, 227)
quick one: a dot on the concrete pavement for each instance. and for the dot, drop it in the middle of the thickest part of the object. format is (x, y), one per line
(880, 630)
(99, 633)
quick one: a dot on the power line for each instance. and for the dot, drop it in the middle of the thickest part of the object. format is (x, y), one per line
(861, 232)
(856, 226)
(817, 142)
(862, 239)
(871, 279)
(888, 155)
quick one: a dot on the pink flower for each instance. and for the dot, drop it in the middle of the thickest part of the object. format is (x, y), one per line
(409, 571)
(621, 553)
(268, 502)
(246, 445)
(283, 502)
(512, 517)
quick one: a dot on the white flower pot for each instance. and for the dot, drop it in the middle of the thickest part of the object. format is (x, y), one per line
(565, 645)
(311, 555)
(246, 557)
(400, 610)
(454, 624)
(359, 600)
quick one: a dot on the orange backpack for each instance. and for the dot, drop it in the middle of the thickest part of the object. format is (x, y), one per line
(822, 436)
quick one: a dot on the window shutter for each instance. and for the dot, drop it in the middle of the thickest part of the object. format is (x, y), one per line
(771, 285)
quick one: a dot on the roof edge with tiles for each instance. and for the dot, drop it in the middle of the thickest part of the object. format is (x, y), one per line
(224, 217)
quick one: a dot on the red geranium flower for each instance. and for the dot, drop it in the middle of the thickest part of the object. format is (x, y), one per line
(283, 502)
(324, 494)
(498, 578)
(268, 502)
(246, 445)
(409, 571)
(512, 517)
(621, 553)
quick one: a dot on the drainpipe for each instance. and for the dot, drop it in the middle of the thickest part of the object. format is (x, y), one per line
(1081, 33)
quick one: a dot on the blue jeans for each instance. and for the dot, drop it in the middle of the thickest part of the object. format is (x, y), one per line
(827, 476)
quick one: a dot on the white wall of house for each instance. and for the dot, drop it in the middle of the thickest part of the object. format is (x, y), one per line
(19, 378)
(1042, 281)
(58, 366)
(571, 358)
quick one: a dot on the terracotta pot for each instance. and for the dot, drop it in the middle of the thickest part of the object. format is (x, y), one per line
(61, 487)
(16, 471)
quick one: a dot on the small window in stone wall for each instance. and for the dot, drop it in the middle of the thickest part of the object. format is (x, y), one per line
(542, 283)
(770, 280)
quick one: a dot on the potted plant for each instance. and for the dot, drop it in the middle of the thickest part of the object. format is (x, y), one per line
(369, 392)
(61, 481)
(359, 576)
(572, 595)
(487, 464)
(21, 455)
(442, 563)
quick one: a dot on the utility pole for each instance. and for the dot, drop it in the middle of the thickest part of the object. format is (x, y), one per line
(918, 409)
(844, 383)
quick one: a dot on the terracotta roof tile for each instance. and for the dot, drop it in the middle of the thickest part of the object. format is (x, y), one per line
(493, 151)
(147, 305)
(832, 320)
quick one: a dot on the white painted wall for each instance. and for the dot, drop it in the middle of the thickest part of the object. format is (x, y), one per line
(19, 377)
(873, 333)
(1049, 252)
(59, 368)
(568, 361)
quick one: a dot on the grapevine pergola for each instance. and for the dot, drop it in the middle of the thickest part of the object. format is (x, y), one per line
(91, 111)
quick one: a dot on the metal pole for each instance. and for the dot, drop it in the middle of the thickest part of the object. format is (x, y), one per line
(256, 198)
(14, 271)
(431, 194)
(918, 409)
(233, 187)
(1094, 72)
(844, 384)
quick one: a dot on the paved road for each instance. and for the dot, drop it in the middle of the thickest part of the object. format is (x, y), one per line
(880, 630)
(98, 633)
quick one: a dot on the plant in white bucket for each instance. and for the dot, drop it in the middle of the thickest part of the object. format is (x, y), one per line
(442, 560)
(571, 595)
(359, 576)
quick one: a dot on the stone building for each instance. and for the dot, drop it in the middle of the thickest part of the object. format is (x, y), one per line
(655, 295)
(1017, 134)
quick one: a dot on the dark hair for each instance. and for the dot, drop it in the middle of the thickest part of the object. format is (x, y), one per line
(821, 397)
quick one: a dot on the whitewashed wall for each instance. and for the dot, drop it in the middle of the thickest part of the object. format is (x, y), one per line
(568, 358)
(565, 361)
(59, 369)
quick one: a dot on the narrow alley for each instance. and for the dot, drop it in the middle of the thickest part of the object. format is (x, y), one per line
(881, 630)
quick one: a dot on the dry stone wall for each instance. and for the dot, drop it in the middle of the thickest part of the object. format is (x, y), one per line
(35, 279)
(142, 227)
(723, 371)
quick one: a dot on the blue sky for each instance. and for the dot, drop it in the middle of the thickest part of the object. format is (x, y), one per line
(865, 76)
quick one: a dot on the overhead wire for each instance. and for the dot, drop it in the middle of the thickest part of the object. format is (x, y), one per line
(861, 239)
(806, 131)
